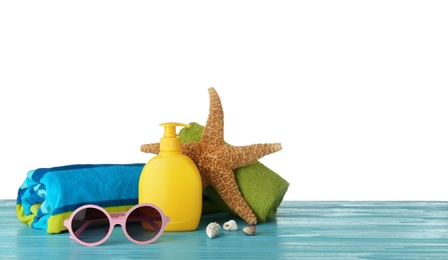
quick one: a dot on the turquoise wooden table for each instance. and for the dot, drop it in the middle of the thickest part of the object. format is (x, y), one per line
(301, 230)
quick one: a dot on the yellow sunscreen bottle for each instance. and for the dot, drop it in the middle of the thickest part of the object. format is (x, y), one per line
(171, 180)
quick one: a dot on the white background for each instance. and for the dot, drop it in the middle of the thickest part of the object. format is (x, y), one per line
(356, 91)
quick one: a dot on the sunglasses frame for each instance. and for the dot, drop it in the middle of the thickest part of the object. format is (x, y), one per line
(114, 219)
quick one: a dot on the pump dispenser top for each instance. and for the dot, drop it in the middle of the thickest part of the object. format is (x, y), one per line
(170, 142)
(171, 180)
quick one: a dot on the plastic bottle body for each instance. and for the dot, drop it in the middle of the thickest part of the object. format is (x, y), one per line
(171, 180)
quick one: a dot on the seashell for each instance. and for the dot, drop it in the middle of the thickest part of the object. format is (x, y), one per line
(212, 229)
(230, 225)
(249, 230)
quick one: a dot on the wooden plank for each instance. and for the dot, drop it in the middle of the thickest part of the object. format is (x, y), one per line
(302, 229)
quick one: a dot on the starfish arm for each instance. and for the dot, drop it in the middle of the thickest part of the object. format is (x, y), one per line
(192, 150)
(239, 156)
(214, 128)
(226, 186)
(150, 148)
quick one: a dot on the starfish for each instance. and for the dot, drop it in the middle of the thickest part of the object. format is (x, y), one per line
(216, 159)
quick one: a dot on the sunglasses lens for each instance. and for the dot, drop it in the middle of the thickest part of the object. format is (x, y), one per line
(144, 223)
(90, 225)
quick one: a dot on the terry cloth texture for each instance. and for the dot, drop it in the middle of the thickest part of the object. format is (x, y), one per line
(262, 188)
(50, 195)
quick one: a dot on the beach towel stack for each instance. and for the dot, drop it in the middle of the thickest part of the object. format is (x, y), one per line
(50, 195)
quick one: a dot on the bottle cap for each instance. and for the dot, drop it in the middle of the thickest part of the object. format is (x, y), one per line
(170, 142)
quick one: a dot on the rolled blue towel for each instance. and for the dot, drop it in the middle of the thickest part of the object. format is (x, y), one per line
(50, 195)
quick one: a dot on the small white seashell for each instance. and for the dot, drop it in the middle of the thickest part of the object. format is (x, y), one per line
(212, 229)
(249, 230)
(230, 225)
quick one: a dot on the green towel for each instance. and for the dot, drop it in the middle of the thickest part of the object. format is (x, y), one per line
(262, 188)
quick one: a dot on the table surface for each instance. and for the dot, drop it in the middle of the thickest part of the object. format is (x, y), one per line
(301, 230)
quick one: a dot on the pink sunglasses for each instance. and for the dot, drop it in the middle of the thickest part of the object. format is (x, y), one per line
(91, 225)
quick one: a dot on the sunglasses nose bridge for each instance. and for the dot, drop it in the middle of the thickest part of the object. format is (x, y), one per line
(117, 219)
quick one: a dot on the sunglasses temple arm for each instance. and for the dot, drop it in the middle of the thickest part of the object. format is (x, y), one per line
(147, 219)
(85, 225)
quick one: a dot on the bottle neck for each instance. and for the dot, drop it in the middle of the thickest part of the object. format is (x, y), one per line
(170, 145)
(170, 153)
